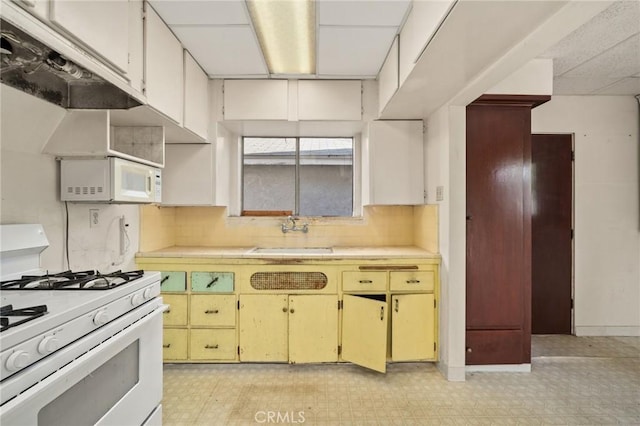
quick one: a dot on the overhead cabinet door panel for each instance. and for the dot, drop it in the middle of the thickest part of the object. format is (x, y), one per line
(256, 99)
(329, 100)
(101, 25)
(364, 331)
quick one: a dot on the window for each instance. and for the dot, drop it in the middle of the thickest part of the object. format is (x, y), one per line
(300, 176)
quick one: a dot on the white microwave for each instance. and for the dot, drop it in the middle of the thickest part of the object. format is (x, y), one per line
(110, 180)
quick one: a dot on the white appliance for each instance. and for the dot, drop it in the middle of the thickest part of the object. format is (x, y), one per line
(76, 347)
(109, 179)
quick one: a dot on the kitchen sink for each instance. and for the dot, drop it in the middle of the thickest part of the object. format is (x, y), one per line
(292, 250)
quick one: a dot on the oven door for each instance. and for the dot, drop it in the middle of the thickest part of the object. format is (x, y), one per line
(118, 382)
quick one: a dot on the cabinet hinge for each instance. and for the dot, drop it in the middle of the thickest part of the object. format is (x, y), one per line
(572, 234)
(143, 86)
(573, 156)
(238, 349)
(339, 349)
(434, 303)
(572, 303)
(339, 304)
(434, 346)
(238, 304)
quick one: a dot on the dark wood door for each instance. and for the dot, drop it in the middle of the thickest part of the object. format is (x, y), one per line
(498, 234)
(552, 182)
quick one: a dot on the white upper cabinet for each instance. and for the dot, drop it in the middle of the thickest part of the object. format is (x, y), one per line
(329, 100)
(164, 69)
(189, 175)
(256, 99)
(392, 163)
(421, 25)
(100, 25)
(388, 77)
(196, 97)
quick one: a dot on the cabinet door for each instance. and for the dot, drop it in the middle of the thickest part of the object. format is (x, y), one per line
(256, 99)
(263, 323)
(164, 73)
(188, 177)
(364, 331)
(329, 100)
(412, 327)
(101, 25)
(313, 328)
(393, 163)
(196, 97)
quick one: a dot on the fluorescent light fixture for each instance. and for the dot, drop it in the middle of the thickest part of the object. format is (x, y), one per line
(286, 30)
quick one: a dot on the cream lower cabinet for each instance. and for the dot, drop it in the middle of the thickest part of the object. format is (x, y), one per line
(288, 328)
(365, 328)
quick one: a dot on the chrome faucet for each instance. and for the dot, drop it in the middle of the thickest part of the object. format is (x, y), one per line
(294, 227)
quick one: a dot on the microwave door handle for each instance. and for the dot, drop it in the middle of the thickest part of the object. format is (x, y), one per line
(148, 184)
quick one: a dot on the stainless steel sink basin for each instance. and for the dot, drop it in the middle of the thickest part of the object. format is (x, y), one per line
(292, 250)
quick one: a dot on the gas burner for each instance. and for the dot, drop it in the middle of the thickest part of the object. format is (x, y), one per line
(68, 280)
(10, 317)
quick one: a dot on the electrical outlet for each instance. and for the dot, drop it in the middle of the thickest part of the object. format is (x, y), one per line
(439, 193)
(94, 218)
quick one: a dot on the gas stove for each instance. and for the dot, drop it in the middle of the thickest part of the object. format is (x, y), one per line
(58, 330)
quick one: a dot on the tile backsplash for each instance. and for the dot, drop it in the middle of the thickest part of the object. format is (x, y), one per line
(210, 226)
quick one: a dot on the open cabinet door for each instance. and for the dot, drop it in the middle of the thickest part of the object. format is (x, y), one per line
(364, 331)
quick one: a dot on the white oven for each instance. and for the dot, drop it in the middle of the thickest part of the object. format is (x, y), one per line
(119, 381)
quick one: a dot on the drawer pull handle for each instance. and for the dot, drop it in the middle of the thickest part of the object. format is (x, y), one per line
(397, 305)
(381, 313)
(211, 346)
(165, 278)
(413, 281)
(213, 281)
(366, 282)
(167, 346)
(211, 311)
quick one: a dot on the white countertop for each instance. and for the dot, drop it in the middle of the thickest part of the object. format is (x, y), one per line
(385, 252)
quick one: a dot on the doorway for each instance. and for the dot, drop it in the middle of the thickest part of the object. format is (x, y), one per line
(551, 233)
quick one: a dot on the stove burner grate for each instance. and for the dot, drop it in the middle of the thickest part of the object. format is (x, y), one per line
(26, 314)
(68, 280)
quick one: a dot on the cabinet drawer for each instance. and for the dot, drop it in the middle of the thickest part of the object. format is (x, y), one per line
(412, 280)
(364, 281)
(212, 282)
(218, 311)
(174, 344)
(173, 281)
(177, 312)
(213, 344)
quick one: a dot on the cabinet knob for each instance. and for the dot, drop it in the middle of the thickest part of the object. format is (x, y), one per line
(291, 310)
(168, 345)
(284, 309)
(469, 350)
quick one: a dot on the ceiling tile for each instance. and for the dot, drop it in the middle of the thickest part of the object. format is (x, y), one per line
(353, 51)
(223, 51)
(580, 85)
(187, 12)
(362, 13)
(621, 61)
(617, 23)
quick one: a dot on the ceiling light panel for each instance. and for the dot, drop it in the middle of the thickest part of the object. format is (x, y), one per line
(363, 13)
(286, 32)
(223, 50)
(353, 51)
(188, 12)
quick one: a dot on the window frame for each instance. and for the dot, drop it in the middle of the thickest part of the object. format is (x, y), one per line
(356, 204)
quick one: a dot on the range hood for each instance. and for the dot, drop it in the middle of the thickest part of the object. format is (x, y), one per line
(31, 66)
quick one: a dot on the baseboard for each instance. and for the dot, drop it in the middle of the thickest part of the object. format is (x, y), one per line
(499, 368)
(452, 374)
(588, 330)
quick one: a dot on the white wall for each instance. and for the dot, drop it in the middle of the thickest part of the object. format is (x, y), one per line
(445, 152)
(29, 188)
(607, 218)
